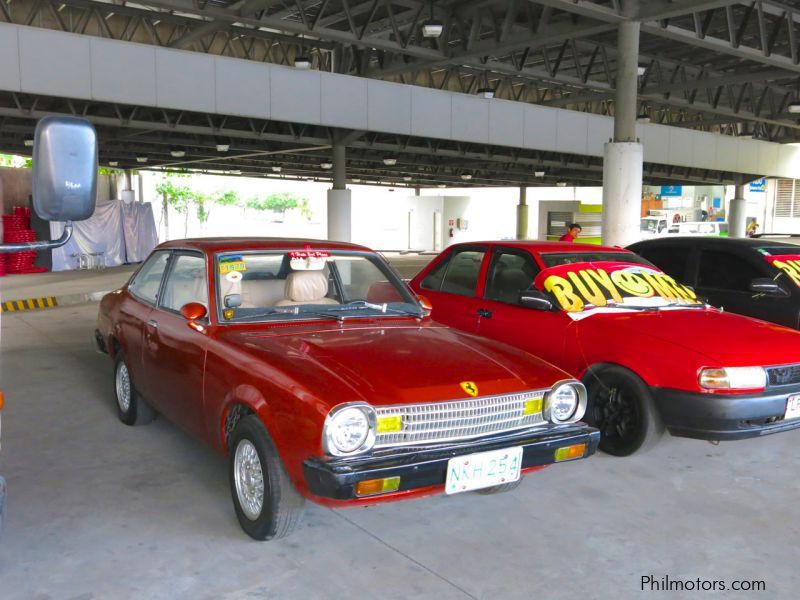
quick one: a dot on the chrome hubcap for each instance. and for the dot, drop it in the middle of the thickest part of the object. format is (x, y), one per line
(123, 382)
(249, 479)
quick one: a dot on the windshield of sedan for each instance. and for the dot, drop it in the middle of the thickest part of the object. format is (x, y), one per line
(303, 284)
(584, 287)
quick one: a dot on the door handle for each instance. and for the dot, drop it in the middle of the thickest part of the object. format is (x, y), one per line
(153, 324)
(485, 313)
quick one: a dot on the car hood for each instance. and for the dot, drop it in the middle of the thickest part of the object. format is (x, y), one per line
(724, 339)
(384, 363)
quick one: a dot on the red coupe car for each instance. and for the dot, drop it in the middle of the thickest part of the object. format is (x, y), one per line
(321, 376)
(649, 352)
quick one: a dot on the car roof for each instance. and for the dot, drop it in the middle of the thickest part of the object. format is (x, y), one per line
(220, 244)
(754, 243)
(540, 246)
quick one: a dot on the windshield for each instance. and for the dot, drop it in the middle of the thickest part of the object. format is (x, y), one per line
(583, 288)
(653, 225)
(553, 259)
(302, 284)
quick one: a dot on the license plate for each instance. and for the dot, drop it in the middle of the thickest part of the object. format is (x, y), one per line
(792, 407)
(484, 469)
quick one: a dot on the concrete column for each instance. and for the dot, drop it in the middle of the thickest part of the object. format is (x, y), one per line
(340, 206)
(737, 219)
(522, 214)
(623, 158)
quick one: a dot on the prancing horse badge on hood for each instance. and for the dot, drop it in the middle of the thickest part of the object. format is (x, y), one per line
(470, 388)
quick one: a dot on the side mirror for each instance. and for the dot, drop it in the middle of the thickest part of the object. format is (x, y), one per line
(193, 312)
(765, 285)
(426, 305)
(64, 176)
(233, 301)
(535, 299)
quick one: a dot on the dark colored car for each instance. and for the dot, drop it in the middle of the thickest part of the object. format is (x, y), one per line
(756, 277)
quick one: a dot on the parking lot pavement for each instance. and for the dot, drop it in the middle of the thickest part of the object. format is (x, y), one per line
(100, 510)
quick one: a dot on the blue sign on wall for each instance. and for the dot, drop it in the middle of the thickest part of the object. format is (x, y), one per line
(672, 190)
(759, 185)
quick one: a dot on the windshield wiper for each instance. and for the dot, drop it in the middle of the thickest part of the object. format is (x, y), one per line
(281, 310)
(384, 308)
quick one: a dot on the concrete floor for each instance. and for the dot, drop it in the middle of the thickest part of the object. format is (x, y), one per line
(100, 510)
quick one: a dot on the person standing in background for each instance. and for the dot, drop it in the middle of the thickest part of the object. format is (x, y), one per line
(573, 230)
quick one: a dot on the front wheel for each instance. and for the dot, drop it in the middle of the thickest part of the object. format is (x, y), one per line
(622, 408)
(266, 503)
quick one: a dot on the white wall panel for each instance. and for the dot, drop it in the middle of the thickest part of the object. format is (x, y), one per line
(54, 63)
(135, 84)
(241, 88)
(727, 153)
(573, 132)
(506, 123)
(470, 118)
(599, 130)
(748, 156)
(788, 161)
(655, 139)
(9, 50)
(680, 146)
(541, 127)
(700, 147)
(185, 80)
(389, 107)
(344, 101)
(767, 158)
(295, 95)
(430, 113)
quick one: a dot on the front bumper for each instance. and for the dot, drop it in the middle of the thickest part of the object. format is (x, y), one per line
(422, 467)
(724, 416)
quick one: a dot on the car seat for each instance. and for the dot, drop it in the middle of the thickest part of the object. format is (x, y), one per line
(306, 287)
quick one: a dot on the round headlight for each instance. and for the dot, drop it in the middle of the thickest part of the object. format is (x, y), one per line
(566, 402)
(348, 430)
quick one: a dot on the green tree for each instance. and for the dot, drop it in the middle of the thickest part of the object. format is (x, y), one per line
(175, 194)
(280, 203)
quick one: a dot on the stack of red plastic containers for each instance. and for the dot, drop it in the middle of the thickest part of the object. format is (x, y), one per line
(16, 229)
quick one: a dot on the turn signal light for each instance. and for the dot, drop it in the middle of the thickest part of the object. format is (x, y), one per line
(390, 424)
(377, 486)
(2, 401)
(532, 407)
(570, 452)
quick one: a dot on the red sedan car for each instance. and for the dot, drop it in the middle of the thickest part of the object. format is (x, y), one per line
(649, 352)
(321, 376)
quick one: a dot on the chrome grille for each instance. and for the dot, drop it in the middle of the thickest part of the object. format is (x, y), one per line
(460, 419)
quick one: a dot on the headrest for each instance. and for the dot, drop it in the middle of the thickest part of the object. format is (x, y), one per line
(306, 286)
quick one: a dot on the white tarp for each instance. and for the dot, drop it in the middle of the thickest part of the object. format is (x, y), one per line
(122, 233)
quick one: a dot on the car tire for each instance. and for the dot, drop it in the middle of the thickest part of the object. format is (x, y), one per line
(499, 489)
(266, 502)
(621, 406)
(131, 407)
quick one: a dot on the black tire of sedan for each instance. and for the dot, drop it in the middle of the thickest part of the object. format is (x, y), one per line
(131, 407)
(266, 502)
(622, 408)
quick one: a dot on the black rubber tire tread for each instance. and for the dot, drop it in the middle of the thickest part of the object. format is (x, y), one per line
(283, 504)
(139, 412)
(499, 489)
(651, 427)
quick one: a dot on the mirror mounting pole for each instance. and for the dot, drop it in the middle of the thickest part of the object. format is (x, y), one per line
(43, 245)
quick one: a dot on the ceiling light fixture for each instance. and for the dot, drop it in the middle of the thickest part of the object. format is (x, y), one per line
(562, 184)
(28, 141)
(356, 180)
(390, 162)
(466, 176)
(641, 70)
(113, 163)
(486, 92)
(643, 117)
(407, 178)
(432, 28)
(794, 107)
(277, 168)
(441, 185)
(223, 147)
(141, 159)
(539, 173)
(302, 62)
(326, 165)
(178, 152)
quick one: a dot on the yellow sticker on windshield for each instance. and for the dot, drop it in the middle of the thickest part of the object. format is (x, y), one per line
(231, 267)
(469, 387)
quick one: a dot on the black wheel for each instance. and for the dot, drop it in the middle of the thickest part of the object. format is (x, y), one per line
(131, 407)
(499, 489)
(622, 408)
(266, 503)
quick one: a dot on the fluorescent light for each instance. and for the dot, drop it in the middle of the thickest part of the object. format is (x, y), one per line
(141, 159)
(28, 141)
(441, 185)
(486, 92)
(432, 28)
(356, 180)
(794, 107)
(222, 147)
(302, 62)
(113, 163)
(407, 178)
(561, 184)
(466, 176)
(277, 168)
(326, 165)
(641, 70)
(178, 152)
(235, 172)
(390, 162)
(539, 173)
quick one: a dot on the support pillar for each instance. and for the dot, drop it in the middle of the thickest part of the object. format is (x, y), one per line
(340, 206)
(522, 214)
(737, 220)
(623, 158)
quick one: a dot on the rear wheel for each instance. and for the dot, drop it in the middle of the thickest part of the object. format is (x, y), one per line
(622, 408)
(266, 503)
(131, 407)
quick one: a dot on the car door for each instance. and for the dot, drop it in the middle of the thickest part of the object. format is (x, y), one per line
(542, 333)
(452, 287)
(134, 313)
(724, 276)
(174, 353)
